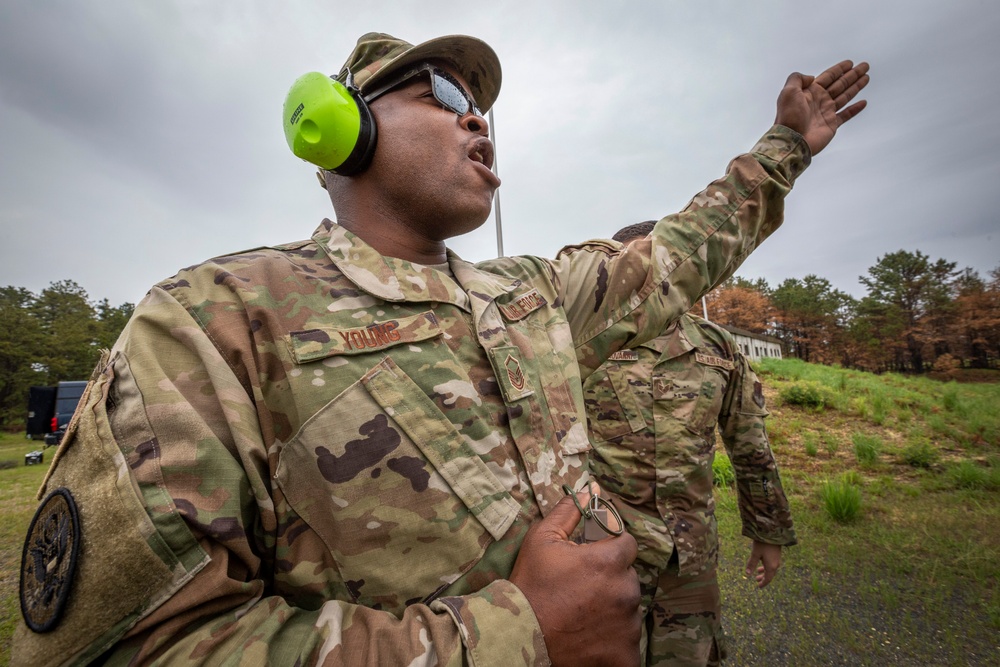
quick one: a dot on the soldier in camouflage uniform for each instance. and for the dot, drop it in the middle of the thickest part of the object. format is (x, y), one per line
(350, 449)
(652, 413)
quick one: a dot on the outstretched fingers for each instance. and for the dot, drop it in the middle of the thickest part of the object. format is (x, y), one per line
(851, 90)
(851, 111)
(817, 107)
(833, 74)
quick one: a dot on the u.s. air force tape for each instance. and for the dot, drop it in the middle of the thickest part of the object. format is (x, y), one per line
(48, 561)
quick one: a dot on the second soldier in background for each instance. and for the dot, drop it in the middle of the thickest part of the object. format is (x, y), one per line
(652, 414)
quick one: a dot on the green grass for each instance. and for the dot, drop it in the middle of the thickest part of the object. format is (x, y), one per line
(919, 452)
(18, 485)
(841, 500)
(912, 580)
(831, 443)
(968, 474)
(722, 470)
(866, 448)
(810, 444)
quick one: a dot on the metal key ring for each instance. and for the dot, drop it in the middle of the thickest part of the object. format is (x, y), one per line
(588, 513)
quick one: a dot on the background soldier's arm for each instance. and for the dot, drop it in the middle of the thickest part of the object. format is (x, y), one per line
(762, 502)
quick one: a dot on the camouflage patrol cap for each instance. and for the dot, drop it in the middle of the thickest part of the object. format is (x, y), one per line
(378, 56)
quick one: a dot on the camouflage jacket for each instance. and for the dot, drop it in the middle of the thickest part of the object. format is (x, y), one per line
(313, 453)
(652, 415)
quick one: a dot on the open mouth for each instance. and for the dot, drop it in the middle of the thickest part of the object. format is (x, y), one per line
(482, 152)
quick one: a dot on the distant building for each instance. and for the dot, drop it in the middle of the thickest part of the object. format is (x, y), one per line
(754, 346)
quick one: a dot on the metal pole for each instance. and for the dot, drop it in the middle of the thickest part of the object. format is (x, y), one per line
(496, 195)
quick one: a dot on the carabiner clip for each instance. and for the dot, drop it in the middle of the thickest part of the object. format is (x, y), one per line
(592, 513)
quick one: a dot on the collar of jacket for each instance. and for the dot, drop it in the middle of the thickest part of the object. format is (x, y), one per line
(680, 338)
(393, 279)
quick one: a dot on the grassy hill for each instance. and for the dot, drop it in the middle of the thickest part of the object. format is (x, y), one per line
(912, 578)
(907, 577)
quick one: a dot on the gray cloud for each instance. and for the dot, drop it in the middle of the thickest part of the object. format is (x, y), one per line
(139, 138)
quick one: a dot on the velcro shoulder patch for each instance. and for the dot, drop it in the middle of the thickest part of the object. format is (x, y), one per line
(709, 360)
(624, 355)
(313, 344)
(48, 561)
(521, 305)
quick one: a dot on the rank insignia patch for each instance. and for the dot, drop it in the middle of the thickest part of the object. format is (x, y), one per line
(511, 375)
(48, 561)
(514, 373)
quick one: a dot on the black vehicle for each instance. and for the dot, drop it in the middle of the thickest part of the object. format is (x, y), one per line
(41, 408)
(67, 397)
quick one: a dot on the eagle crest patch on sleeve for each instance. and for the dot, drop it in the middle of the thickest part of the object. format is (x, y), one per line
(48, 561)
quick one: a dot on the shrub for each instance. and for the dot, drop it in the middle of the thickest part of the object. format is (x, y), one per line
(807, 393)
(866, 448)
(841, 500)
(920, 453)
(969, 475)
(722, 471)
(946, 366)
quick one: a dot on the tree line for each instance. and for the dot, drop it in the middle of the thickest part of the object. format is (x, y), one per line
(918, 315)
(50, 337)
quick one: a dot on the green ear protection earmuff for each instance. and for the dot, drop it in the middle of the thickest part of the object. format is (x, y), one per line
(329, 124)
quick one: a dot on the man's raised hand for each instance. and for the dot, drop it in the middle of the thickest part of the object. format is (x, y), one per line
(816, 107)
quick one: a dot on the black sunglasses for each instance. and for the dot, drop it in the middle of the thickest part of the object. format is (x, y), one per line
(446, 89)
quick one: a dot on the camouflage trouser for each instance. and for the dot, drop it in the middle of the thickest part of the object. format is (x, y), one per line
(682, 616)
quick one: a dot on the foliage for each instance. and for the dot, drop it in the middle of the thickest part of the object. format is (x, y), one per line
(866, 448)
(811, 315)
(968, 474)
(807, 394)
(919, 315)
(919, 453)
(912, 292)
(19, 338)
(841, 500)
(741, 304)
(50, 337)
(722, 471)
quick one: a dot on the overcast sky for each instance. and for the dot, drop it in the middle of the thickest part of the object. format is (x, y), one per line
(137, 138)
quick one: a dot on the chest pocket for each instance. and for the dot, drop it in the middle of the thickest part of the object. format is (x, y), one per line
(400, 500)
(692, 392)
(612, 408)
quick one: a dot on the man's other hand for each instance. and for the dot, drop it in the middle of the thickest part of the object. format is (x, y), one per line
(585, 596)
(814, 106)
(769, 558)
